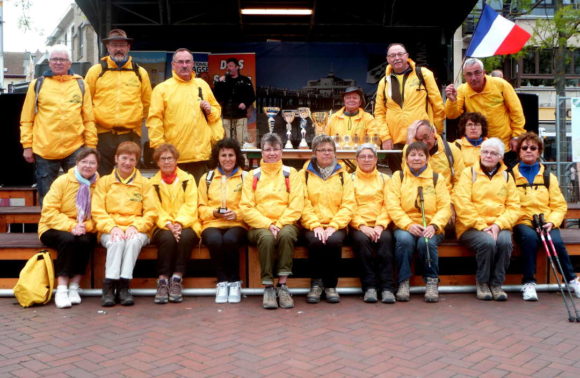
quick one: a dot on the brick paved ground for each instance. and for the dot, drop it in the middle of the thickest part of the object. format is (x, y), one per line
(459, 336)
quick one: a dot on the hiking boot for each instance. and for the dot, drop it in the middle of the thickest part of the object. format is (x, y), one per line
(284, 297)
(175, 289)
(483, 292)
(235, 292)
(331, 295)
(269, 301)
(108, 297)
(125, 297)
(162, 295)
(529, 292)
(73, 294)
(387, 296)
(574, 286)
(315, 292)
(432, 290)
(61, 299)
(221, 292)
(498, 293)
(370, 296)
(404, 292)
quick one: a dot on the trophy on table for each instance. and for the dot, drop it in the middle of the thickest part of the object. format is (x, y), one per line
(320, 120)
(288, 116)
(303, 113)
(346, 145)
(376, 141)
(224, 196)
(271, 112)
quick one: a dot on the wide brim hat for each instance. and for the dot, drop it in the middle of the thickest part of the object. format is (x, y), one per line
(117, 35)
(356, 90)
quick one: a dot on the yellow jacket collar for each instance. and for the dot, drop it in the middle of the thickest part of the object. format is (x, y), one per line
(389, 69)
(340, 113)
(180, 80)
(364, 175)
(270, 167)
(112, 64)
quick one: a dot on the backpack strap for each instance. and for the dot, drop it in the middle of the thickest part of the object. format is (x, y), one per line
(39, 83)
(158, 191)
(184, 185)
(285, 173)
(419, 74)
(134, 68)
(450, 158)
(208, 178)
(256, 178)
(435, 179)
(458, 145)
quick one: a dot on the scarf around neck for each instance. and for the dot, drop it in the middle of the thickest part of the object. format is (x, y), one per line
(83, 200)
(529, 171)
(326, 172)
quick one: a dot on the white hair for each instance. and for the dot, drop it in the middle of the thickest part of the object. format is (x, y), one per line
(471, 62)
(494, 143)
(59, 49)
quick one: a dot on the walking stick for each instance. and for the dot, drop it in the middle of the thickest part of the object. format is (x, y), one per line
(559, 265)
(538, 226)
(422, 205)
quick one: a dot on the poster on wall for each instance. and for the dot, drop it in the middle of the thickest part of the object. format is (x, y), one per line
(217, 67)
(154, 62)
(575, 103)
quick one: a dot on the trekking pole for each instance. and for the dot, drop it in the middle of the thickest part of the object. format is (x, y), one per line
(555, 255)
(422, 205)
(538, 227)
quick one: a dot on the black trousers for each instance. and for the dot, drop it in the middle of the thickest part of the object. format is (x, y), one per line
(324, 259)
(74, 252)
(395, 160)
(224, 245)
(107, 146)
(196, 168)
(376, 259)
(172, 256)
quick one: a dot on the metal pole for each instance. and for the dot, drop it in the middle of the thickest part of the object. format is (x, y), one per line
(557, 129)
(1, 46)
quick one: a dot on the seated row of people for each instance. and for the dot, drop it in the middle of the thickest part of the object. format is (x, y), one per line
(322, 204)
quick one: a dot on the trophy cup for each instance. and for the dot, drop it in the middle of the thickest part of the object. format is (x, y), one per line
(346, 144)
(224, 196)
(288, 116)
(303, 113)
(338, 141)
(320, 120)
(271, 112)
(355, 141)
(376, 141)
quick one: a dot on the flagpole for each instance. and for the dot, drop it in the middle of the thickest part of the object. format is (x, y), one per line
(456, 82)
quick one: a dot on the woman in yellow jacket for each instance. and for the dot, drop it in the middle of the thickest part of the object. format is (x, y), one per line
(66, 225)
(328, 208)
(410, 190)
(371, 239)
(487, 207)
(124, 211)
(539, 194)
(223, 230)
(175, 234)
(473, 128)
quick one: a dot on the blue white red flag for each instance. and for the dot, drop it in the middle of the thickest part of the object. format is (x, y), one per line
(496, 35)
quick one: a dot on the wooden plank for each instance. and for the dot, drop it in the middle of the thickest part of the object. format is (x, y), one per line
(27, 193)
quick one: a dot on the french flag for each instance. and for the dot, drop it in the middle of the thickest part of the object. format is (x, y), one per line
(496, 35)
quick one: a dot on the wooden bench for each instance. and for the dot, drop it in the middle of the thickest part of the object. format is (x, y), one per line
(28, 193)
(18, 214)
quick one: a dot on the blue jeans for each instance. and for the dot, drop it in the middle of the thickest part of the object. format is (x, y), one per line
(405, 246)
(46, 171)
(529, 242)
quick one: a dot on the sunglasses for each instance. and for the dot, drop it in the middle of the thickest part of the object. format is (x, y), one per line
(531, 148)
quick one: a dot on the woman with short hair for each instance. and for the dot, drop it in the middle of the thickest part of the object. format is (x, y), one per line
(473, 130)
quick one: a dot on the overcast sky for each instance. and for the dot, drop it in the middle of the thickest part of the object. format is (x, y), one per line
(45, 16)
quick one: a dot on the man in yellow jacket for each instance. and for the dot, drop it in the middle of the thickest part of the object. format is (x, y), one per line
(121, 93)
(185, 113)
(493, 97)
(56, 120)
(351, 120)
(406, 93)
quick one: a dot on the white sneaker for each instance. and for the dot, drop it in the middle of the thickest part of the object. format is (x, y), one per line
(235, 294)
(221, 292)
(529, 292)
(61, 299)
(575, 286)
(73, 294)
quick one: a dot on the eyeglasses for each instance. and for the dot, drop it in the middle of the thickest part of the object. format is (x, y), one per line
(325, 151)
(531, 148)
(183, 61)
(268, 150)
(366, 157)
(474, 73)
(167, 158)
(490, 153)
(397, 55)
(58, 60)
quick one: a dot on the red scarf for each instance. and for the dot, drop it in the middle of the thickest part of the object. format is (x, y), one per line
(168, 179)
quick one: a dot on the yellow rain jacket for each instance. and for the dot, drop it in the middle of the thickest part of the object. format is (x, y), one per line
(440, 164)
(176, 202)
(362, 124)
(498, 102)
(539, 199)
(120, 99)
(330, 202)
(175, 117)
(403, 200)
(370, 194)
(470, 153)
(483, 202)
(122, 205)
(272, 199)
(393, 119)
(59, 210)
(64, 121)
(211, 199)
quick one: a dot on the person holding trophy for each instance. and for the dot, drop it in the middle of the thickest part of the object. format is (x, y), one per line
(223, 231)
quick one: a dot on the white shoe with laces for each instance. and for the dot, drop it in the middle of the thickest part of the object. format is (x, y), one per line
(61, 299)
(73, 294)
(221, 292)
(235, 293)
(575, 287)
(529, 292)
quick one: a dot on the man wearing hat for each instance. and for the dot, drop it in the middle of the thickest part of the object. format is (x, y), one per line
(406, 94)
(121, 93)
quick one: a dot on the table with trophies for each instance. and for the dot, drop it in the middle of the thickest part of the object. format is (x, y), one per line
(346, 146)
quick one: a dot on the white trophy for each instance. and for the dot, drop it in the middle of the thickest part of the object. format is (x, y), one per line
(303, 113)
(288, 116)
(271, 112)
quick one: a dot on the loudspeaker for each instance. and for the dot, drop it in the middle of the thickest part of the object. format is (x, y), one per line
(530, 104)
